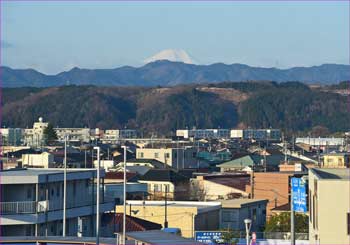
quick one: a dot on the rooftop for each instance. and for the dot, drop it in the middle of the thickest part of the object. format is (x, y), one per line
(38, 175)
(201, 206)
(332, 173)
(239, 203)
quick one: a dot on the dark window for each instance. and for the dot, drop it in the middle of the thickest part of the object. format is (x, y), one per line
(348, 223)
(29, 193)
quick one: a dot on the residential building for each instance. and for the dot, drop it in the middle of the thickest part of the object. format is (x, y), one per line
(203, 133)
(113, 135)
(257, 134)
(39, 160)
(336, 160)
(187, 216)
(73, 134)
(178, 158)
(11, 136)
(329, 204)
(35, 136)
(168, 182)
(32, 202)
(219, 186)
(106, 164)
(233, 213)
(274, 186)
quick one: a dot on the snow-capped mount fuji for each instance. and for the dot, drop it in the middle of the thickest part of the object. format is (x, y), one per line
(175, 55)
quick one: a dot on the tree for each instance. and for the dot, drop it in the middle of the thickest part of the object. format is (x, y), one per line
(49, 134)
(229, 237)
(281, 223)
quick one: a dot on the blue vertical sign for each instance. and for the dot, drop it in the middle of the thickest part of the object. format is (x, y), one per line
(299, 195)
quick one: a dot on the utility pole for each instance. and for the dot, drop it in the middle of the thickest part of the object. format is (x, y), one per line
(98, 197)
(166, 208)
(124, 196)
(252, 182)
(64, 187)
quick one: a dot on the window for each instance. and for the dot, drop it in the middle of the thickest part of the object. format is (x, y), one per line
(156, 155)
(29, 193)
(348, 223)
(52, 192)
(157, 187)
(58, 191)
(167, 155)
(140, 154)
(254, 214)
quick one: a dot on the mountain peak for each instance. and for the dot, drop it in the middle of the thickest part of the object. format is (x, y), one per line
(177, 55)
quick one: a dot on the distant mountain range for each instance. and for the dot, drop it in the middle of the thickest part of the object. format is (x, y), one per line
(168, 73)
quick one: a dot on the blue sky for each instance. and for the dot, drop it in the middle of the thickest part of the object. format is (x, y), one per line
(56, 36)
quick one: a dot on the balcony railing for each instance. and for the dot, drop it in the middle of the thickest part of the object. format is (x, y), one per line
(25, 207)
(31, 207)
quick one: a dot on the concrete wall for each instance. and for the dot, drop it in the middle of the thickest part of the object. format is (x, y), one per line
(330, 203)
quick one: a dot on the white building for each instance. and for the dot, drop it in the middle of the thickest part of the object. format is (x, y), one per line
(32, 202)
(73, 134)
(320, 141)
(178, 158)
(113, 135)
(203, 133)
(256, 134)
(43, 160)
(35, 136)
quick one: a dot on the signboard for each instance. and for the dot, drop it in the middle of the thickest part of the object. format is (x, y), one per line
(299, 195)
(209, 237)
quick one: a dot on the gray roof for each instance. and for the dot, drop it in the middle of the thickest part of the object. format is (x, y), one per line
(239, 203)
(332, 173)
(40, 175)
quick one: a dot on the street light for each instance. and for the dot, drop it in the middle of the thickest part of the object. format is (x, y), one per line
(248, 224)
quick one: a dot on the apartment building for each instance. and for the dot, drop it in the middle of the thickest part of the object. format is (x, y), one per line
(113, 135)
(35, 136)
(187, 216)
(73, 134)
(178, 158)
(256, 134)
(11, 136)
(203, 133)
(32, 202)
(329, 204)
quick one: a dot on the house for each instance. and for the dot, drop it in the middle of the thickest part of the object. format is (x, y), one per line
(133, 223)
(233, 213)
(178, 158)
(336, 160)
(32, 202)
(329, 204)
(168, 182)
(258, 162)
(219, 186)
(187, 216)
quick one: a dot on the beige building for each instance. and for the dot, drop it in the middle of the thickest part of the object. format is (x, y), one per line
(178, 158)
(336, 160)
(329, 206)
(43, 160)
(187, 216)
(35, 136)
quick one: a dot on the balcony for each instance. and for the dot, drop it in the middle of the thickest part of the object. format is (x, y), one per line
(25, 207)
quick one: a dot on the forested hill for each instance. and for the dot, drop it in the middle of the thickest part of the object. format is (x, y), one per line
(291, 106)
(167, 73)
